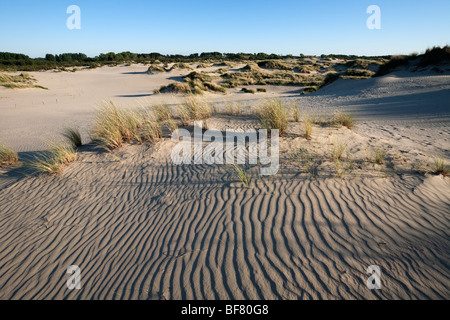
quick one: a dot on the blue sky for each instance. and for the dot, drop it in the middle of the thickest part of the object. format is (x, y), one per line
(190, 26)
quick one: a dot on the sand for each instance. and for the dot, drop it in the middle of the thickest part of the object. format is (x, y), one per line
(143, 228)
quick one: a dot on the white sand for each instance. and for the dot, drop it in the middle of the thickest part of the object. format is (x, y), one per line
(146, 229)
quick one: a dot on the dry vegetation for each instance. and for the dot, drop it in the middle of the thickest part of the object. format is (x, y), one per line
(8, 156)
(23, 80)
(273, 115)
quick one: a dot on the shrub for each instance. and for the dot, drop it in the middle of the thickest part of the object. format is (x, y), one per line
(245, 90)
(435, 56)
(261, 90)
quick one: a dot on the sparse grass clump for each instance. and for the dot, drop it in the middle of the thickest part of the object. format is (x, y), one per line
(261, 90)
(73, 136)
(308, 123)
(440, 167)
(344, 119)
(154, 68)
(338, 149)
(8, 156)
(378, 155)
(54, 160)
(23, 80)
(194, 83)
(245, 90)
(358, 74)
(306, 161)
(176, 87)
(162, 112)
(233, 108)
(114, 126)
(203, 65)
(242, 174)
(273, 115)
(305, 69)
(193, 109)
(295, 113)
(180, 65)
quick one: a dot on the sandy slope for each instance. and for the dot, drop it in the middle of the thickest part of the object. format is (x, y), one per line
(143, 228)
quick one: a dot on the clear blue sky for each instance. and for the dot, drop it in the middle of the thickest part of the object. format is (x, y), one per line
(190, 26)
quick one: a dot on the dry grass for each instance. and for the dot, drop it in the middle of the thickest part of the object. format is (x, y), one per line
(242, 174)
(73, 136)
(154, 68)
(23, 80)
(295, 112)
(114, 126)
(8, 156)
(308, 123)
(194, 83)
(337, 150)
(193, 109)
(273, 115)
(233, 108)
(440, 167)
(378, 155)
(274, 64)
(53, 161)
(344, 119)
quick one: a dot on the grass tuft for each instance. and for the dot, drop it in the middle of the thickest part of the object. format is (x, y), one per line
(8, 156)
(73, 136)
(440, 167)
(242, 175)
(53, 161)
(344, 119)
(273, 115)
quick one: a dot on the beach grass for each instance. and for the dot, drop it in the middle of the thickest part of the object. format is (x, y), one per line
(242, 174)
(273, 115)
(73, 136)
(54, 160)
(8, 156)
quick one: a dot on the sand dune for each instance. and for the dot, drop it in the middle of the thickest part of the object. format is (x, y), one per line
(145, 229)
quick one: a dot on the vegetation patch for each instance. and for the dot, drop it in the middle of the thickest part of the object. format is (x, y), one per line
(23, 80)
